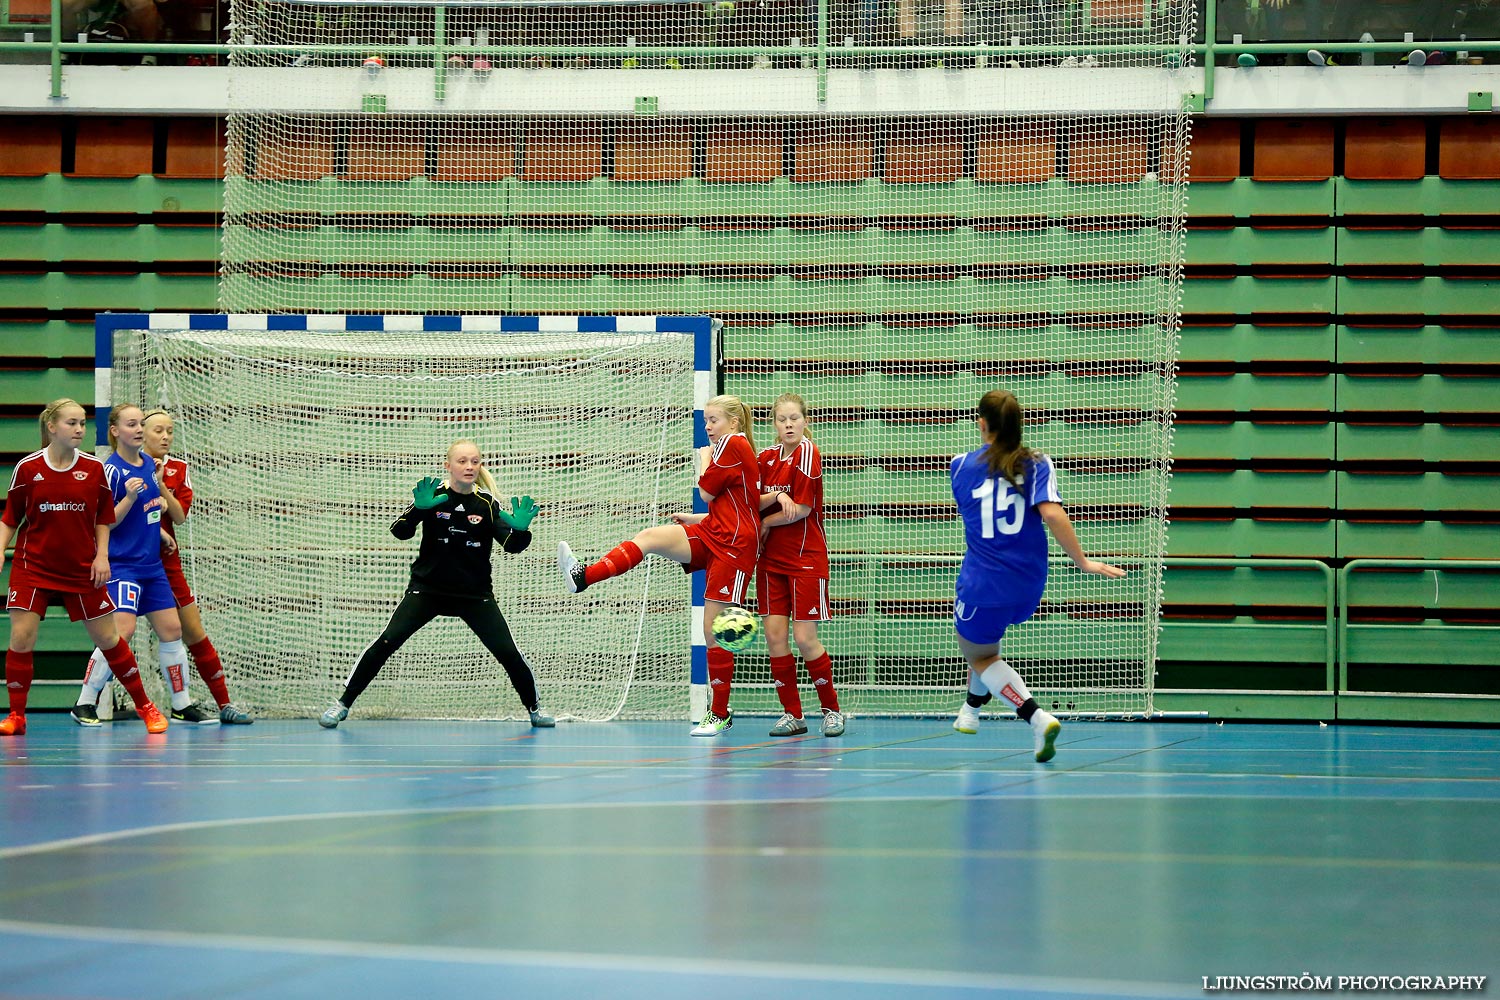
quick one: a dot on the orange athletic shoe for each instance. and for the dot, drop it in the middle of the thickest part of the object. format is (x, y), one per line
(13, 725)
(155, 721)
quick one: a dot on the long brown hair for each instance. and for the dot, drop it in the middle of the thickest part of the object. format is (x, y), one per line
(1001, 411)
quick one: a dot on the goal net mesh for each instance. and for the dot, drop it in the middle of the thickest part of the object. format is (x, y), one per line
(303, 447)
(941, 199)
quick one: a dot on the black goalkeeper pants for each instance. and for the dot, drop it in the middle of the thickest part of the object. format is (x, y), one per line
(416, 610)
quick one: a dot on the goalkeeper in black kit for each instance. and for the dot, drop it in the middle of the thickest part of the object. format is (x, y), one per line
(460, 519)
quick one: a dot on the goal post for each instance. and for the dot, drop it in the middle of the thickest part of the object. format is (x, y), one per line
(305, 433)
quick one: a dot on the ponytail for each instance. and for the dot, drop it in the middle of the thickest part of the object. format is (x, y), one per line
(1002, 415)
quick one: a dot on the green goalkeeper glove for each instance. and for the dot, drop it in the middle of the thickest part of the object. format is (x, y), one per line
(425, 495)
(522, 510)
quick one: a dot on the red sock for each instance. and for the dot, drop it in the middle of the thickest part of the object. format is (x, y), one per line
(720, 673)
(784, 676)
(621, 559)
(206, 659)
(821, 672)
(122, 664)
(18, 673)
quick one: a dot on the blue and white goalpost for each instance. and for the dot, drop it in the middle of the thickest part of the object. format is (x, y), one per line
(304, 434)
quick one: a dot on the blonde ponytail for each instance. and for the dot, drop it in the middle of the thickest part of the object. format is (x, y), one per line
(735, 408)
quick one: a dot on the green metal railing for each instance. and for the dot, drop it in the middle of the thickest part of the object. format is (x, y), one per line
(1345, 577)
(1330, 596)
(819, 52)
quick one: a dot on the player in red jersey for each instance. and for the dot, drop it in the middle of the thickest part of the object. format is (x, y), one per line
(791, 580)
(59, 510)
(724, 541)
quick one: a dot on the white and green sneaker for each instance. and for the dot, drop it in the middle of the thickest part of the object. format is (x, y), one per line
(712, 725)
(968, 719)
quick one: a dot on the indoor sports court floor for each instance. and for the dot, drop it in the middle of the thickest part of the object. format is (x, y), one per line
(414, 860)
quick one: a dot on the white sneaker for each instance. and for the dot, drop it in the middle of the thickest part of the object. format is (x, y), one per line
(572, 569)
(336, 714)
(968, 719)
(833, 723)
(1044, 730)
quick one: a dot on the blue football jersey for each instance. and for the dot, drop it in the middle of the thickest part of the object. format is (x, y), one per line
(135, 539)
(1005, 557)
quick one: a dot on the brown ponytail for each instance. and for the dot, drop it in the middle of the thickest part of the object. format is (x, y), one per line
(1001, 411)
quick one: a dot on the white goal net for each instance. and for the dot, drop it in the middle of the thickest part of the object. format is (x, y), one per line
(893, 207)
(303, 446)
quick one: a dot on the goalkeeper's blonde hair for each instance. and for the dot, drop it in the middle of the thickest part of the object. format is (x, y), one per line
(483, 480)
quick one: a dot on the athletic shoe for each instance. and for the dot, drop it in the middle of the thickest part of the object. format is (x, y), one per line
(85, 715)
(152, 717)
(1319, 59)
(833, 723)
(14, 724)
(572, 569)
(712, 725)
(233, 715)
(194, 715)
(788, 725)
(968, 719)
(336, 714)
(1044, 730)
(1416, 57)
(541, 720)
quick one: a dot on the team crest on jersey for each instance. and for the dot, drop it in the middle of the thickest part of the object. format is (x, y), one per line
(475, 518)
(80, 476)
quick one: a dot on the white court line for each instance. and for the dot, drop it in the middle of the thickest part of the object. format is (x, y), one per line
(604, 962)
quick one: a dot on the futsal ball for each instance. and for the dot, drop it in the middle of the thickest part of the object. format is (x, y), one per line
(735, 628)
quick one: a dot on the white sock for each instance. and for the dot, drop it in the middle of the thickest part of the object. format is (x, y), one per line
(96, 678)
(173, 658)
(999, 678)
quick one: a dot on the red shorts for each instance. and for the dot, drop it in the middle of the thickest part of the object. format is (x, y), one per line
(800, 598)
(725, 584)
(84, 606)
(178, 579)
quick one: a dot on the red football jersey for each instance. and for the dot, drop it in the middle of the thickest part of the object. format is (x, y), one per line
(57, 511)
(732, 529)
(799, 549)
(176, 481)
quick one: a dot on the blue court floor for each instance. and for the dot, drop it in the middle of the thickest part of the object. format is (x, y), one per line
(413, 860)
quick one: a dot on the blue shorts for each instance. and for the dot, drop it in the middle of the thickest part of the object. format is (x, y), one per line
(141, 591)
(985, 626)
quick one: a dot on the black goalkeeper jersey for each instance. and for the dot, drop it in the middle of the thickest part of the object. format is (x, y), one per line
(454, 558)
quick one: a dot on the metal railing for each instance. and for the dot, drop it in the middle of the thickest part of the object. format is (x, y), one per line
(817, 54)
